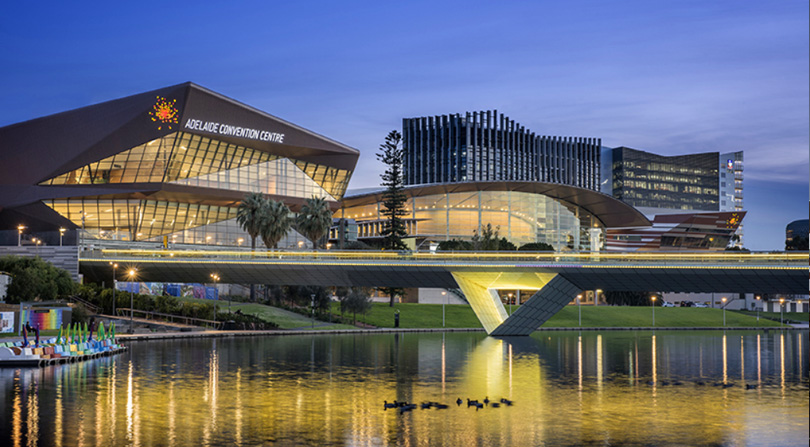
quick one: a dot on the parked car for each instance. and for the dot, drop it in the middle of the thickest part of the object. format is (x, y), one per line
(667, 304)
(700, 305)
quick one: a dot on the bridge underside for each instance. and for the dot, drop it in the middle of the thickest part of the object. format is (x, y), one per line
(556, 285)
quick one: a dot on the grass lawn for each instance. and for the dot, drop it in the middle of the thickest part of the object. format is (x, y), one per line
(462, 316)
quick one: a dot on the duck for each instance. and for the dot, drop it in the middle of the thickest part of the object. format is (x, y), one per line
(506, 402)
(386, 405)
(459, 401)
(486, 400)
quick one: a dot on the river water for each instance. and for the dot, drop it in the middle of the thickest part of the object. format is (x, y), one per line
(595, 388)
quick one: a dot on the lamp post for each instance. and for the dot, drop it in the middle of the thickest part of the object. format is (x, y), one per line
(758, 300)
(653, 298)
(114, 266)
(782, 310)
(61, 235)
(20, 229)
(216, 279)
(131, 302)
(723, 300)
(579, 308)
(444, 301)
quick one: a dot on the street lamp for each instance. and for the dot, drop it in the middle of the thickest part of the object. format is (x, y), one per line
(61, 234)
(216, 279)
(782, 310)
(131, 301)
(579, 308)
(20, 229)
(114, 266)
(723, 299)
(444, 301)
(758, 299)
(653, 298)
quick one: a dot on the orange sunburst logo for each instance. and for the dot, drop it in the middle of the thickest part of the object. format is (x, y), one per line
(733, 221)
(164, 112)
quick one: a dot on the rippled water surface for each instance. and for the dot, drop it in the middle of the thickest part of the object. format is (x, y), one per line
(611, 388)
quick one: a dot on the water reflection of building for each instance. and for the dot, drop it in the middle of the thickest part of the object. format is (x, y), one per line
(172, 163)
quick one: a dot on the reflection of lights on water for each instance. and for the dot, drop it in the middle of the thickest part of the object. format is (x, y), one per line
(759, 362)
(16, 415)
(58, 412)
(444, 371)
(579, 364)
(172, 415)
(238, 416)
(599, 367)
(725, 359)
(130, 404)
(742, 359)
(782, 362)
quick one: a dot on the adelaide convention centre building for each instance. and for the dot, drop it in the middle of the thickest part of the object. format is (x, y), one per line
(170, 164)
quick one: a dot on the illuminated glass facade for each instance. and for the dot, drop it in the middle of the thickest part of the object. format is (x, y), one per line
(522, 217)
(173, 163)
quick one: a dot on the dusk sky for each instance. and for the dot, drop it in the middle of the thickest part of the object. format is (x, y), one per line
(666, 77)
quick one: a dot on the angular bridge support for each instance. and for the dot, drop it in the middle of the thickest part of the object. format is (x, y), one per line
(481, 290)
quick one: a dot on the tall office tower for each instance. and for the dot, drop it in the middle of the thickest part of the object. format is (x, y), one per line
(731, 186)
(488, 146)
(684, 185)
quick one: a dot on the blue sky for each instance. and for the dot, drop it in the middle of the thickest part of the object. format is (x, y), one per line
(666, 77)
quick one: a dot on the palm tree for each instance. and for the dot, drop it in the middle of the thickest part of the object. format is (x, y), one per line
(251, 215)
(314, 219)
(276, 224)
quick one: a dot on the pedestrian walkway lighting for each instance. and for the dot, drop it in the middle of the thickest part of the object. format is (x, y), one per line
(114, 266)
(653, 298)
(724, 310)
(216, 279)
(61, 235)
(579, 308)
(444, 301)
(20, 229)
(782, 310)
(131, 275)
(758, 299)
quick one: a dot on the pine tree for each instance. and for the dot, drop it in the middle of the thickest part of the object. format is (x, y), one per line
(392, 155)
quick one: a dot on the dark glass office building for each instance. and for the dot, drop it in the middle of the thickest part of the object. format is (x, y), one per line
(687, 182)
(488, 146)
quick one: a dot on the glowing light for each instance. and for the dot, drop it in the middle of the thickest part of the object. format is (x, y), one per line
(164, 113)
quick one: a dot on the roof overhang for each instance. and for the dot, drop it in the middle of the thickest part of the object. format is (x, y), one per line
(610, 211)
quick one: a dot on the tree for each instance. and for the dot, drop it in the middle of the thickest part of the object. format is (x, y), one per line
(34, 279)
(455, 245)
(536, 246)
(314, 220)
(393, 198)
(357, 300)
(487, 240)
(505, 245)
(276, 223)
(627, 298)
(251, 215)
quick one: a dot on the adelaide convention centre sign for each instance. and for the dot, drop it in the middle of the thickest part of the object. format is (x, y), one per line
(234, 131)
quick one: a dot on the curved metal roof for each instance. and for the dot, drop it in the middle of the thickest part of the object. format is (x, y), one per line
(612, 212)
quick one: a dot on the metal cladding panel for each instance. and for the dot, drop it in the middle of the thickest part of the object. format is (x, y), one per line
(297, 142)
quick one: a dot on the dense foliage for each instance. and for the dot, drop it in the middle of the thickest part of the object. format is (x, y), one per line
(314, 220)
(33, 279)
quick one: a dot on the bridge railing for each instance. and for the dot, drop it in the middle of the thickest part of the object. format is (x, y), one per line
(556, 258)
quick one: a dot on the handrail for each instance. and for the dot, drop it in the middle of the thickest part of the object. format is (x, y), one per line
(799, 258)
(92, 307)
(123, 312)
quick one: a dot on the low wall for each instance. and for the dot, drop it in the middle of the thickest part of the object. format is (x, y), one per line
(66, 257)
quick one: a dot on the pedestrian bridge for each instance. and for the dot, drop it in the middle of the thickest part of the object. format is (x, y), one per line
(557, 277)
